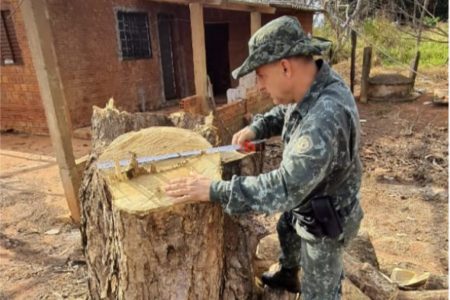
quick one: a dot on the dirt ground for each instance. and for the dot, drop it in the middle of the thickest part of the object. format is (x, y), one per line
(404, 196)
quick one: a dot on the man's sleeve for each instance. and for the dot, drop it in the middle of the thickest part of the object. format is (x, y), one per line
(306, 162)
(270, 124)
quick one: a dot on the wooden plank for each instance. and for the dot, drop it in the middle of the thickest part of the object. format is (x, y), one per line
(40, 39)
(255, 21)
(352, 62)
(264, 9)
(185, 2)
(226, 5)
(367, 61)
(199, 56)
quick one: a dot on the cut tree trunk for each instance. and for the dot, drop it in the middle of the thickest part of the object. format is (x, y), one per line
(156, 250)
(140, 246)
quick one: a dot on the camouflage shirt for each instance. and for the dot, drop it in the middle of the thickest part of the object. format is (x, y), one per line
(321, 137)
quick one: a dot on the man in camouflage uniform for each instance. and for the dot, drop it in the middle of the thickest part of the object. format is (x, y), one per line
(319, 124)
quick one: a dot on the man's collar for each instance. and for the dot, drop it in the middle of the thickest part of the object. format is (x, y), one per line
(311, 95)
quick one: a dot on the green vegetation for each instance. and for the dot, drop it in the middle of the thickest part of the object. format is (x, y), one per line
(396, 43)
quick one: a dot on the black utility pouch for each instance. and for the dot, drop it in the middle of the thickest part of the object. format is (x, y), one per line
(327, 216)
(309, 222)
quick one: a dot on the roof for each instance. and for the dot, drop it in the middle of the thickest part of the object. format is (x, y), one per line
(308, 5)
(297, 4)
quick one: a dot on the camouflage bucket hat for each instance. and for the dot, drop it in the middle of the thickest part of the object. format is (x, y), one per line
(280, 38)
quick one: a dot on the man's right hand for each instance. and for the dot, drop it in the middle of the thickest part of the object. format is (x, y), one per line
(243, 135)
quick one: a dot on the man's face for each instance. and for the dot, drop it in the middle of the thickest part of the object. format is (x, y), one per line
(281, 79)
(271, 78)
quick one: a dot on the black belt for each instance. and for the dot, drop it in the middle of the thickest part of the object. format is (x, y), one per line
(308, 221)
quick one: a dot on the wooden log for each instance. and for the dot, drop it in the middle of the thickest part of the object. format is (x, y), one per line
(361, 248)
(272, 294)
(351, 292)
(423, 295)
(367, 61)
(368, 279)
(436, 282)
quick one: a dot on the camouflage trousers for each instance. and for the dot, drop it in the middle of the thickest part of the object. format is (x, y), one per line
(319, 258)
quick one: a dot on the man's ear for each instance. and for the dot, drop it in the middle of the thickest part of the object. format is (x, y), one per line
(286, 66)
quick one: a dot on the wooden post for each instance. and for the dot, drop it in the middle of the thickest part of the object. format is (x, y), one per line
(40, 39)
(414, 68)
(367, 61)
(199, 56)
(353, 58)
(255, 21)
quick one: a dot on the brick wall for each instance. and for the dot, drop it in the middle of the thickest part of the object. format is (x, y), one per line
(20, 106)
(232, 117)
(92, 71)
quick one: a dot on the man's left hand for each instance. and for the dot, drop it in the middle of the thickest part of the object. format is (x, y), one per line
(194, 188)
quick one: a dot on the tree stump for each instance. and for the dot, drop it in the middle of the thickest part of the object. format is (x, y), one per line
(156, 250)
(141, 249)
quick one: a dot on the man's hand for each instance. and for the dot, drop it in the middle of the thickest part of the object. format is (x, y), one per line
(194, 188)
(243, 135)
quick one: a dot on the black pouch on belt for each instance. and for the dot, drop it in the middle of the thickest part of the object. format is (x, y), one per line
(327, 216)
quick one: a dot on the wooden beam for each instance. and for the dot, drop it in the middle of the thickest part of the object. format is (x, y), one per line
(264, 9)
(226, 5)
(255, 21)
(184, 2)
(367, 61)
(41, 43)
(199, 56)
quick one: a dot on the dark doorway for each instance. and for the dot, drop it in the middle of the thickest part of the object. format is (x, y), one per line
(165, 28)
(217, 57)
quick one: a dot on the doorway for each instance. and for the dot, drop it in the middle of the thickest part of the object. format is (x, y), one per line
(217, 57)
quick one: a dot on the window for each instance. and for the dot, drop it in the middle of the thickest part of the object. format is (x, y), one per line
(134, 35)
(9, 46)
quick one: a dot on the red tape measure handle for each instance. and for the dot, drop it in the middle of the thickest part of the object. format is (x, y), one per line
(254, 146)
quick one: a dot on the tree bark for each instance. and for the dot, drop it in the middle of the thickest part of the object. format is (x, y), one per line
(423, 295)
(361, 248)
(135, 250)
(368, 279)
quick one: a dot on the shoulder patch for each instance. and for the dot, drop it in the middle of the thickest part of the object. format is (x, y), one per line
(304, 144)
